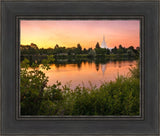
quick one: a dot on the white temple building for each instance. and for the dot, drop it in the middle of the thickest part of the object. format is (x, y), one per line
(103, 44)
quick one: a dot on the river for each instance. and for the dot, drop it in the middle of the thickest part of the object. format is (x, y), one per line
(87, 73)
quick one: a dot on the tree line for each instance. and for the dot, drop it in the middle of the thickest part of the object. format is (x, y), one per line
(33, 49)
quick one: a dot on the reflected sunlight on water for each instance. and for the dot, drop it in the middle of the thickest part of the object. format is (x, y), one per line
(85, 72)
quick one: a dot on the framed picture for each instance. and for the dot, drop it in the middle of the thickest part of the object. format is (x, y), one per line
(80, 79)
(80, 68)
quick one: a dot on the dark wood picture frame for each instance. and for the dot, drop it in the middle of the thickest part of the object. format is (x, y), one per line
(147, 123)
(66, 117)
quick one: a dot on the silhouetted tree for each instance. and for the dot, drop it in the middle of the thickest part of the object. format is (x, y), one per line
(130, 53)
(114, 50)
(137, 48)
(107, 51)
(85, 51)
(57, 46)
(79, 47)
(92, 53)
(89, 49)
(34, 46)
(120, 46)
(131, 47)
(121, 50)
(97, 45)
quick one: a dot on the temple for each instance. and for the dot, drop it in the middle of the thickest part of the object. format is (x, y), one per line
(103, 44)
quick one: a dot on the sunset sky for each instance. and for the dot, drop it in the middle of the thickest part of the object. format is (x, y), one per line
(68, 33)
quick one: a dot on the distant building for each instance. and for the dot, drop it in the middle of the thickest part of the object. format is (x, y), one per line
(103, 44)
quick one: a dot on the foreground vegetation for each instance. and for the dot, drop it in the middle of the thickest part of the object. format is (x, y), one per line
(119, 97)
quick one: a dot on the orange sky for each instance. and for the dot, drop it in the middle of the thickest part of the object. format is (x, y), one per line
(68, 33)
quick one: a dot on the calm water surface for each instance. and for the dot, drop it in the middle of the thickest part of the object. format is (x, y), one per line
(84, 73)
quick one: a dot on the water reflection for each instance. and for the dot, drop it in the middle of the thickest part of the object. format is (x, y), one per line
(103, 68)
(97, 67)
(84, 71)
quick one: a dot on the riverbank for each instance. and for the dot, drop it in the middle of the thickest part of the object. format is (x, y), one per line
(119, 97)
(79, 57)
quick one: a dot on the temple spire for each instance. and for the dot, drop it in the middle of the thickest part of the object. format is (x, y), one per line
(103, 44)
